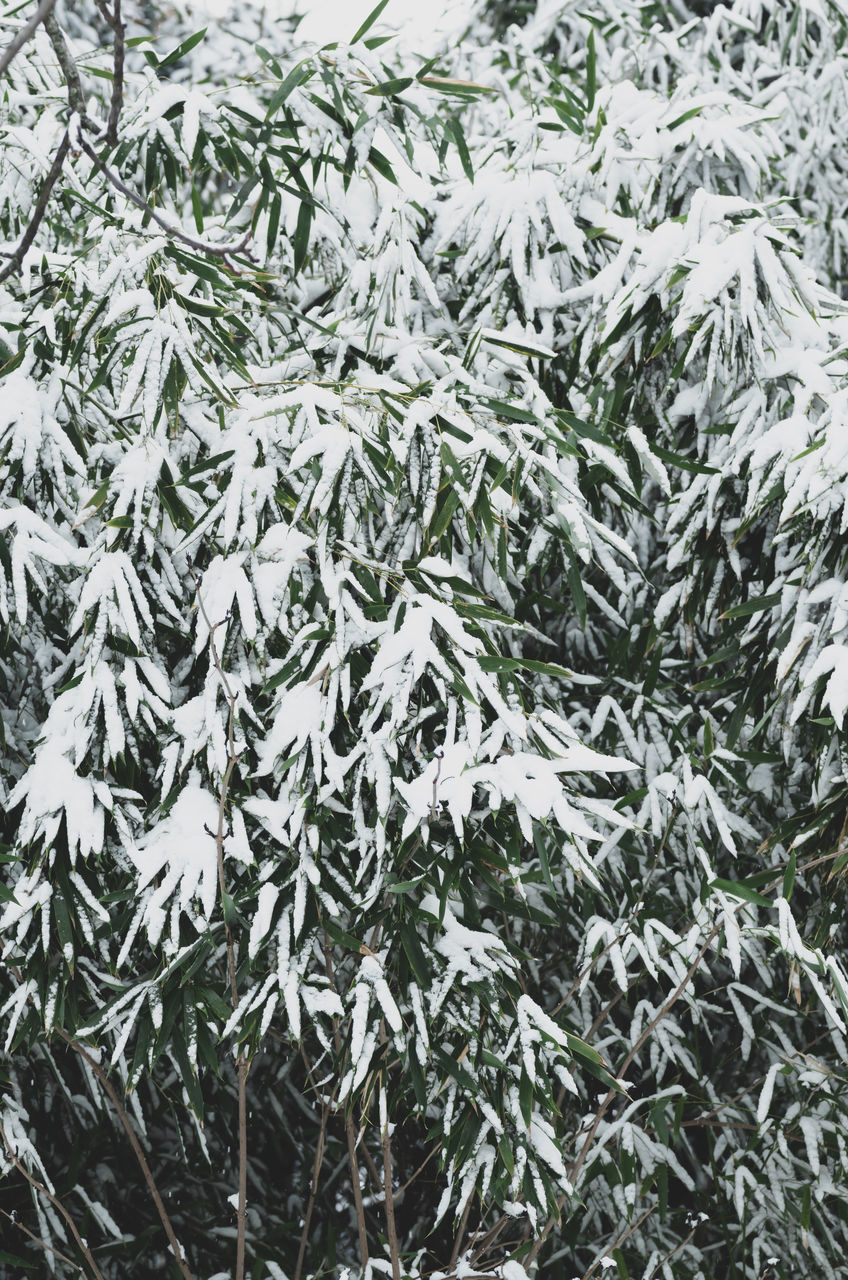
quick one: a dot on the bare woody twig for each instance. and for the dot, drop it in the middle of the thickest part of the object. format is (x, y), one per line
(17, 257)
(115, 22)
(242, 1064)
(27, 30)
(56, 1203)
(76, 97)
(578, 1163)
(134, 1143)
(388, 1196)
(203, 246)
(350, 1133)
(42, 1244)
(313, 1190)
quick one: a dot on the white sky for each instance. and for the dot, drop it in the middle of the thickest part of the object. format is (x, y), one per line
(326, 20)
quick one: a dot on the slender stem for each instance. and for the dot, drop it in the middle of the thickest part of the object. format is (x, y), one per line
(27, 30)
(42, 1244)
(313, 1191)
(242, 1063)
(114, 21)
(47, 186)
(625, 1235)
(460, 1234)
(578, 1163)
(388, 1197)
(57, 1204)
(136, 1146)
(203, 246)
(76, 97)
(350, 1132)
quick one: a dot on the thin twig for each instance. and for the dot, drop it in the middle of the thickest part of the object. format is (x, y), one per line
(114, 21)
(42, 1244)
(17, 257)
(242, 1064)
(460, 1233)
(313, 1190)
(578, 1163)
(176, 233)
(625, 1235)
(350, 1131)
(27, 30)
(56, 1202)
(76, 97)
(388, 1197)
(134, 1143)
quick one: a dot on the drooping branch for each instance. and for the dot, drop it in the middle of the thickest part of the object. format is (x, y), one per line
(26, 32)
(117, 25)
(242, 1063)
(56, 1203)
(135, 1144)
(17, 256)
(76, 97)
(176, 233)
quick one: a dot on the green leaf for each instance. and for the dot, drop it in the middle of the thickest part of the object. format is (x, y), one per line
(389, 88)
(369, 21)
(296, 77)
(738, 889)
(591, 80)
(181, 50)
(455, 131)
(756, 605)
(525, 1096)
(789, 875)
(301, 236)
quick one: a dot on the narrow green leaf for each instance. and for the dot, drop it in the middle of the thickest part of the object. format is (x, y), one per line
(738, 889)
(369, 21)
(591, 80)
(789, 875)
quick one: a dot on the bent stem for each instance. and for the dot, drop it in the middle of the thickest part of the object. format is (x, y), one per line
(242, 1063)
(56, 1203)
(136, 1146)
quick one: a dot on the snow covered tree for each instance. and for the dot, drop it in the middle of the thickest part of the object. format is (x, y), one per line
(424, 648)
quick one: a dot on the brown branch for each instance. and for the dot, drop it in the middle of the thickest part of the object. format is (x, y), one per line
(114, 21)
(134, 1143)
(57, 1204)
(27, 30)
(388, 1197)
(460, 1232)
(17, 257)
(350, 1130)
(577, 1165)
(625, 1235)
(42, 1244)
(313, 1190)
(76, 97)
(242, 1064)
(176, 233)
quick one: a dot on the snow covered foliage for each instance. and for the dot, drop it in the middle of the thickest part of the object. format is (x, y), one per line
(424, 647)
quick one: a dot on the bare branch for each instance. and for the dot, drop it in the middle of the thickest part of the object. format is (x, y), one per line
(76, 97)
(56, 1203)
(115, 22)
(202, 246)
(17, 257)
(42, 1244)
(134, 1143)
(350, 1133)
(27, 30)
(388, 1197)
(313, 1190)
(242, 1064)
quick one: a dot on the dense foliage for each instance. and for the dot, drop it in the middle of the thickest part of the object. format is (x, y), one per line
(424, 647)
